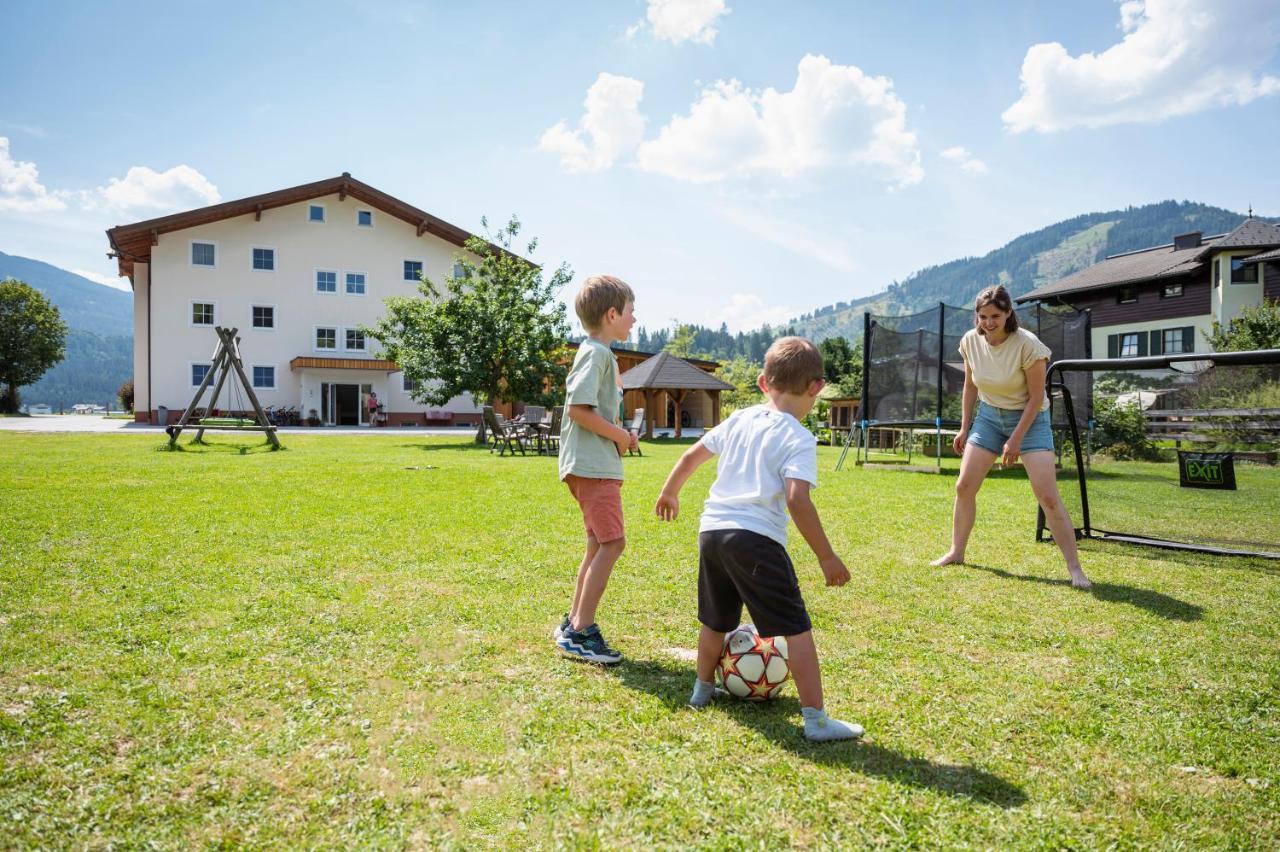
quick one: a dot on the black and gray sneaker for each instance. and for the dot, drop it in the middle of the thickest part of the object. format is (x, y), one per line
(588, 645)
(564, 628)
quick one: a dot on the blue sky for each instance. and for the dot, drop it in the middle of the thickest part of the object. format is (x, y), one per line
(734, 161)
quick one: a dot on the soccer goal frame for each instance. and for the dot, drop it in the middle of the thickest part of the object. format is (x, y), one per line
(1198, 360)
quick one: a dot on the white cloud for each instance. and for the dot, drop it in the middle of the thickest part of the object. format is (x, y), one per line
(835, 117)
(20, 187)
(749, 311)
(108, 280)
(610, 127)
(679, 21)
(144, 192)
(967, 162)
(825, 249)
(1176, 57)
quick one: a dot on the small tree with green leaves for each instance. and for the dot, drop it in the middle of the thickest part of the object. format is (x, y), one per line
(1256, 327)
(32, 339)
(842, 365)
(742, 374)
(125, 393)
(497, 331)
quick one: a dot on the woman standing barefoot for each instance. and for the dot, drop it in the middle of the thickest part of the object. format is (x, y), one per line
(1004, 373)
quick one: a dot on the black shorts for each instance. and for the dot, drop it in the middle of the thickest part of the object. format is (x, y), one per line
(737, 567)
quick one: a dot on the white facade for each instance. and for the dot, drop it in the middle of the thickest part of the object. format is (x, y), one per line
(358, 266)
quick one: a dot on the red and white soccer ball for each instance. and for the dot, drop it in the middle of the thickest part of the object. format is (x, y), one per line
(752, 667)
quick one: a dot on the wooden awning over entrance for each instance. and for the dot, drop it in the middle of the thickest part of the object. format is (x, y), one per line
(674, 376)
(344, 364)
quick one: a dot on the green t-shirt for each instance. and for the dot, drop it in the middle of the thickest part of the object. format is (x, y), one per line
(593, 380)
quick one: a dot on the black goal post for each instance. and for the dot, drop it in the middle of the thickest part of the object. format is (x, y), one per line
(1189, 444)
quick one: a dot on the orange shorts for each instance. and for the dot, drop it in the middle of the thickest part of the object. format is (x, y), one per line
(601, 504)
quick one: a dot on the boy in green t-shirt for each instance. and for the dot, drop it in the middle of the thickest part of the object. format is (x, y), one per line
(591, 448)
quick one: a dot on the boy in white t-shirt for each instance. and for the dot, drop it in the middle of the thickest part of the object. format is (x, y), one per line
(768, 463)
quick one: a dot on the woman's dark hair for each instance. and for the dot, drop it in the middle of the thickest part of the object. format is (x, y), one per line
(998, 296)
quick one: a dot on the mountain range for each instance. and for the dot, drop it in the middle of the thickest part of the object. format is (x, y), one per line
(99, 337)
(1024, 263)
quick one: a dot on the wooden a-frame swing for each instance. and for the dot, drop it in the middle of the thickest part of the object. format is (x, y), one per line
(226, 358)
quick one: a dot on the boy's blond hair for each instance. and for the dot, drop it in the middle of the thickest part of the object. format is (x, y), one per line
(599, 293)
(791, 364)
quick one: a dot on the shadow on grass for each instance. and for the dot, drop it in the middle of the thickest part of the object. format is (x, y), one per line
(214, 447)
(671, 682)
(1153, 602)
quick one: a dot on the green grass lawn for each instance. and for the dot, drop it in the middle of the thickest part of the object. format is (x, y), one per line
(347, 643)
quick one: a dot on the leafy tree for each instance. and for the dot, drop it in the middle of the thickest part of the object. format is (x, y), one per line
(842, 364)
(1121, 430)
(32, 338)
(742, 374)
(1257, 327)
(125, 395)
(497, 331)
(681, 342)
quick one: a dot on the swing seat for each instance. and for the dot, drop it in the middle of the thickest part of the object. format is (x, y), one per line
(227, 421)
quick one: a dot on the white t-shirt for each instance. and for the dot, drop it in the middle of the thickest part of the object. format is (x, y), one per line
(758, 449)
(998, 370)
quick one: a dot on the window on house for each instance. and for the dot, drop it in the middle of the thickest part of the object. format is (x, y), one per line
(315, 213)
(413, 270)
(355, 283)
(1171, 341)
(364, 218)
(202, 313)
(326, 282)
(326, 338)
(1243, 273)
(1129, 345)
(264, 377)
(1127, 295)
(460, 271)
(264, 316)
(203, 254)
(198, 372)
(355, 340)
(264, 259)
(1171, 291)
(410, 385)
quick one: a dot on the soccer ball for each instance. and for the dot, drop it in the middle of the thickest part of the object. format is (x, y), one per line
(753, 667)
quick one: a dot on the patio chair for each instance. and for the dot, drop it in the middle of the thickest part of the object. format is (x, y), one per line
(550, 432)
(637, 426)
(503, 435)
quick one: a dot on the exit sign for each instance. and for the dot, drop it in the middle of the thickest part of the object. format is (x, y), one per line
(1206, 470)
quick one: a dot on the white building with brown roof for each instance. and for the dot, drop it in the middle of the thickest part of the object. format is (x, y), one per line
(297, 271)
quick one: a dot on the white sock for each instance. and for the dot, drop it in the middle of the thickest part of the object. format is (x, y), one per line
(820, 727)
(703, 692)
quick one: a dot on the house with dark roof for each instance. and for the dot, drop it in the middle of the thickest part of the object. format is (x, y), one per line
(298, 271)
(1165, 299)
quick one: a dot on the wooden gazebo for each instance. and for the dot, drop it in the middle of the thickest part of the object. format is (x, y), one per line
(674, 377)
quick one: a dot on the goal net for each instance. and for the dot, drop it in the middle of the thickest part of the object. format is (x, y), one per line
(1184, 451)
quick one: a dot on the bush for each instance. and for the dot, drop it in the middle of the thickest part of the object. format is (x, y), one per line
(1121, 430)
(126, 395)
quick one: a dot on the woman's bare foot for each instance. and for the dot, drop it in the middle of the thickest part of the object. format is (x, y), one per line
(950, 558)
(1079, 580)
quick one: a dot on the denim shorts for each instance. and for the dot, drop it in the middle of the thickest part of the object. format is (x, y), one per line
(993, 426)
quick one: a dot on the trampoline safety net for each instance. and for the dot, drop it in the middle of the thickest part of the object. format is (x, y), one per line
(914, 377)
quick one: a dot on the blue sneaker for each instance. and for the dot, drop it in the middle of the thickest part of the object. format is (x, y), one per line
(564, 628)
(588, 645)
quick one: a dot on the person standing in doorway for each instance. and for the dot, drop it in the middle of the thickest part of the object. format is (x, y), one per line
(372, 402)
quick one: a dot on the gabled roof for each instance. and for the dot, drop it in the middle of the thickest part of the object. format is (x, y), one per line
(667, 372)
(1165, 261)
(132, 243)
(1145, 265)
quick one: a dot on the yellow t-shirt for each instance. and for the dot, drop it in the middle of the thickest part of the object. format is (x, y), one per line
(997, 370)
